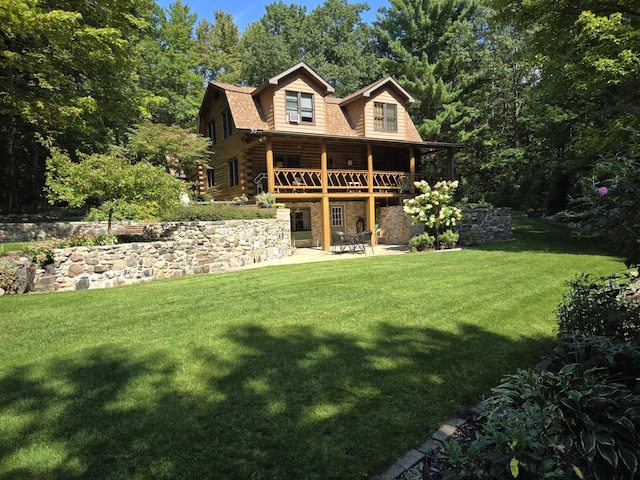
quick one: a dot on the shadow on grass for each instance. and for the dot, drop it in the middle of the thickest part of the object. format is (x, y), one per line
(287, 405)
(542, 235)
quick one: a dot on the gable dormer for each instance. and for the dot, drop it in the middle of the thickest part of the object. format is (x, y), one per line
(295, 99)
(379, 110)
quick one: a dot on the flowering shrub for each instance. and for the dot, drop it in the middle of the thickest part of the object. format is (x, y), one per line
(42, 253)
(433, 208)
(609, 205)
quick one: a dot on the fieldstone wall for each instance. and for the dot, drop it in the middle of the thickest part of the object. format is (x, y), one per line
(188, 248)
(479, 225)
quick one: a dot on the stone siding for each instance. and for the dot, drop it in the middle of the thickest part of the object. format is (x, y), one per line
(479, 225)
(186, 249)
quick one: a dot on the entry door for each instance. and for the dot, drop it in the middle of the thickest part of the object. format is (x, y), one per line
(337, 217)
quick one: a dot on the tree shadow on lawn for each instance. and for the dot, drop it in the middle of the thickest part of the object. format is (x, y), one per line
(299, 404)
(542, 235)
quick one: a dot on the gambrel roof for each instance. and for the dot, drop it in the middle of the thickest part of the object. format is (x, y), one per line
(249, 114)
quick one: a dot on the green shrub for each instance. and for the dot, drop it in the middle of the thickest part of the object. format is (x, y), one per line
(621, 359)
(555, 425)
(214, 212)
(422, 242)
(121, 211)
(42, 253)
(449, 239)
(8, 276)
(606, 306)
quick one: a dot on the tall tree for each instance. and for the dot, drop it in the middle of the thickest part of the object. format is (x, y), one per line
(217, 46)
(273, 43)
(68, 74)
(332, 40)
(169, 73)
(428, 47)
(587, 54)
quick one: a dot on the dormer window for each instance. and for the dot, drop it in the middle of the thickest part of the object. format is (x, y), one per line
(299, 107)
(385, 117)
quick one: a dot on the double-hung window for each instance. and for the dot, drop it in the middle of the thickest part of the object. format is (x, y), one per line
(211, 131)
(385, 117)
(227, 123)
(299, 107)
(233, 173)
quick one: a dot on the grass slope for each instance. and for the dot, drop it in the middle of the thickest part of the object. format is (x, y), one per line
(318, 371)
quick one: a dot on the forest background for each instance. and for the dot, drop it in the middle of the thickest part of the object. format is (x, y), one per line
(541, 92)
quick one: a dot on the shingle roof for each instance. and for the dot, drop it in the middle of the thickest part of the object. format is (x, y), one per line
(248, 115)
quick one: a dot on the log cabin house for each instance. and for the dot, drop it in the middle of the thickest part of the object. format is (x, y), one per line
(334, 162)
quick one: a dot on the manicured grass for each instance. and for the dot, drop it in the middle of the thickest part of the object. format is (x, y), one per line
(12, 246)
(318, 371)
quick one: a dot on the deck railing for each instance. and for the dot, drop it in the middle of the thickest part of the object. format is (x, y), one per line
(295, 180)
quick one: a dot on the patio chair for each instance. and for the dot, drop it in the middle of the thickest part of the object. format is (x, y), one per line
(363, 240)
(338, 242)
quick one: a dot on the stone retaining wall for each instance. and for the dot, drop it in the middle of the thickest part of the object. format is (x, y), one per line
(189, 248)
(478, 225)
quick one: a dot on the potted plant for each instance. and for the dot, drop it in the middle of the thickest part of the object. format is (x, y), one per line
(240, 200)
(265, 199)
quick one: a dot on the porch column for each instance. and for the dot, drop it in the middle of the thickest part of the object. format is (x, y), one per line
(412, 170)
(271, 181)
(451, 165)
(324, 202)
(323, 166)
(326, 223)
(370, 167)
(371, 217)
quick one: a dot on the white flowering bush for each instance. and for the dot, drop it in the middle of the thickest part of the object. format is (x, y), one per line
(433, 208)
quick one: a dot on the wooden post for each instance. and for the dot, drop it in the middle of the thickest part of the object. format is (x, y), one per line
(370, 167)
(412, 170)
(324, 203)
(371, 217)
(326, 223)
(271, 181)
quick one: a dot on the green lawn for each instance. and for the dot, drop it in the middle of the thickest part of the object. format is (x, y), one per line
(319, 371)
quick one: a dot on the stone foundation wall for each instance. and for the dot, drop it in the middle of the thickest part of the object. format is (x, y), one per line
(187, 248)
(478, 225)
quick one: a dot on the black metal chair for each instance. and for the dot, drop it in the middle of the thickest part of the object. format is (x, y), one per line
(363, 240)
(338, 242)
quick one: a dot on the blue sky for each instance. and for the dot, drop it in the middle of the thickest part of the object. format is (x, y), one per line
(248, 11)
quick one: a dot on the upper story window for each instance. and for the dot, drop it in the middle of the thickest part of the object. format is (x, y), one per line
(385, 117)
(227, 123)
(211, 131)
(299, 107)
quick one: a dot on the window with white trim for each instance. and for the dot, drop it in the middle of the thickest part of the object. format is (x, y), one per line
(385, 117)
(211, 178)
(299, 106)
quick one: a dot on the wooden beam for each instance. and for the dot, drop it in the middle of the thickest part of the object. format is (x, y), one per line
(412, 170)
(371, 218)
(271, 181)
(370, 166)
(326, 223)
